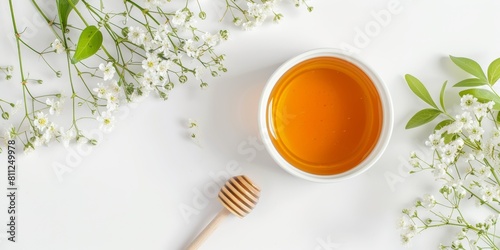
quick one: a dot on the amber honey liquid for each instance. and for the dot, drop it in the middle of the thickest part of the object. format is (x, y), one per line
(324, 116)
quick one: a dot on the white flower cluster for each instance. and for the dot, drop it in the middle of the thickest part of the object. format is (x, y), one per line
(166, 48)
(466, 150)
(255, 13)
(43, 129)
(110, 92)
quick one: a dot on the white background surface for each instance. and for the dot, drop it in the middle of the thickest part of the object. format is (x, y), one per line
(127, 192)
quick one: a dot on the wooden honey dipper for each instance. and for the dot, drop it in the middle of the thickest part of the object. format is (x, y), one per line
(238, 196)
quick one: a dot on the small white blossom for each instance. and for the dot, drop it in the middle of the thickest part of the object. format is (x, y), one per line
(180, 17)
(249, 25)
(55, 106)
(150, 63)
(112, 101)
(495, 137)
(163, 67)
(190, 48)
(435, 141)
(475, 132)
(465, 118)
(114, 88)
(488, 193)
(136, 35)
(439, 171)
(483, 172)
(57, 46)
(50, 133)
(428, 201)
(468, 102)
(67, 136)
(41, 121)
(480, 110)
(101, 90)
(448, 153)
(107, 121)
(108, 70)
(210, 39)
(255, 9)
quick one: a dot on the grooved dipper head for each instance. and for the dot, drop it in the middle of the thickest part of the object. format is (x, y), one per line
(239, 195)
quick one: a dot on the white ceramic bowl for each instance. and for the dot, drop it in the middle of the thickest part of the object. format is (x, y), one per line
(387, 119)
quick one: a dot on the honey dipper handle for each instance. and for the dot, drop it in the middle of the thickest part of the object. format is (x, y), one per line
(208, 229)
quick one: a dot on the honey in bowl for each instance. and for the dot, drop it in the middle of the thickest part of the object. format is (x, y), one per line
(324, 116)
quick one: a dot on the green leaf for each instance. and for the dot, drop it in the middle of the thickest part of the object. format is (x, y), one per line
(450, 137)
(470, 66)
(483, 96)
(494, 71)
(441, 96)
(471, 82)
(422, 117)
(88, 44)
(419, 89)
(64, 7)
(443, 124)
(498, 117)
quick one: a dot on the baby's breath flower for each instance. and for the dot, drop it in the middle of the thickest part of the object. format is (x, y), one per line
(448, 153)
(163, 67)
(480, 110)
(428, 201)
(107, 121)
(101, 90)
(190, 48)
(405, 239)
(41, 121)
(112, 101)
(488, 193)
(401, 223)
(435, 141)
(180, 17)
(468, 102)
(108, 70)
(475, 132)
(50, 133)
(66, 136)
(413, 155)
(150, 63)
(55, 106)
(210, 39)
(136, 35)
(57, 46)
(114, 88)
(249, 25)
(439, 171)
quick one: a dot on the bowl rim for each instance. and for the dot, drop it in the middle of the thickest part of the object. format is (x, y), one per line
(387, 120)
